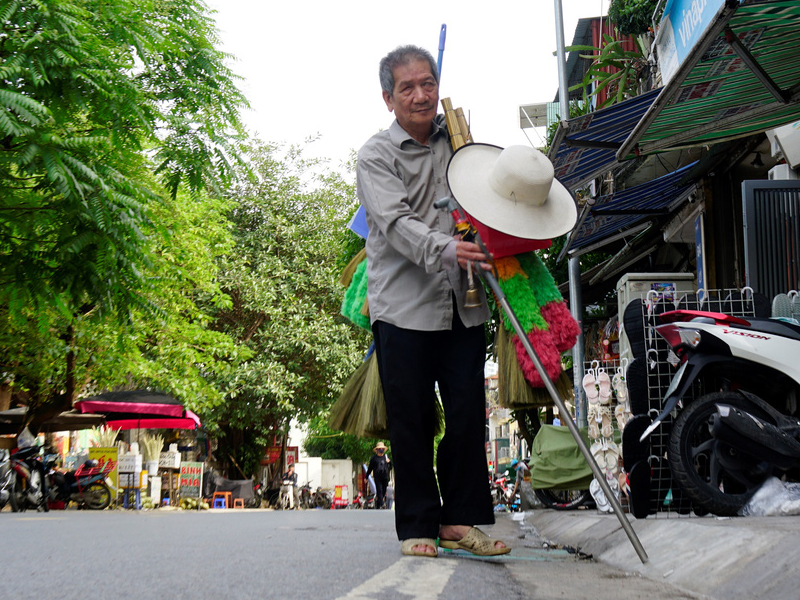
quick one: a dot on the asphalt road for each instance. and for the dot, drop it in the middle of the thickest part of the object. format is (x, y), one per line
(264, 554)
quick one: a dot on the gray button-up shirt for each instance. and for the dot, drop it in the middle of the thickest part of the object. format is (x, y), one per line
(409, 285)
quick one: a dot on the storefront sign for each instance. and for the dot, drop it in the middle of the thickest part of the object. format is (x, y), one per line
(103, 455)
(191, 479)
(682, 25)
(273, 453)
(130, 463)
(169, 460)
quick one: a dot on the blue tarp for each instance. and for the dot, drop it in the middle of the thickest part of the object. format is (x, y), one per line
(576, 165)
(616, 212)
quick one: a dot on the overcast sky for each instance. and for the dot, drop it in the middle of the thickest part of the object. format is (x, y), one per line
(311, 67)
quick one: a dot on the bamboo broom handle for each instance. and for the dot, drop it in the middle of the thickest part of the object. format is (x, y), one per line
(463, 127)
(456, 138)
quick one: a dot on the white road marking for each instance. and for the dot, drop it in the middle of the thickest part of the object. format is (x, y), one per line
(417, 578)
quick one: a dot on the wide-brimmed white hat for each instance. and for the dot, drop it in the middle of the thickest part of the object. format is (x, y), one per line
(512, 190)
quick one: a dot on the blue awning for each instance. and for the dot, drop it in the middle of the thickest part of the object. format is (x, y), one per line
(624, 212)
(587, 146)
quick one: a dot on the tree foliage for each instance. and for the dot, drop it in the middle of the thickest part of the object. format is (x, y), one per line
(282, 278)
(96, 95)
(613, 68)
(107, 111)
(633, 17)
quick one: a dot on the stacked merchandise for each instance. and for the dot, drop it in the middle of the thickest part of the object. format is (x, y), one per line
(607, 396)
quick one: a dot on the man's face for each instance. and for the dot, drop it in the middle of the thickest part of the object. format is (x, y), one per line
(415, 97)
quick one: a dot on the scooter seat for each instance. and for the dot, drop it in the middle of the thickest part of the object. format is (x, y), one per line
(773, 326)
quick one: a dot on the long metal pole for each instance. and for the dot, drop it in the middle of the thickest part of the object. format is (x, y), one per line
(573, 428)
(575, 300)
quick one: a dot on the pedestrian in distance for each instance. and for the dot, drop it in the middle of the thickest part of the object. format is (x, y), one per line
(424, 334)
(379, 467)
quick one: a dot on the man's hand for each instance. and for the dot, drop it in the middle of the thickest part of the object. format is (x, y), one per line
(469, 251)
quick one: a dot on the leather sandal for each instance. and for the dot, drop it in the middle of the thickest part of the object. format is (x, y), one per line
(476, 542)
(407, 547)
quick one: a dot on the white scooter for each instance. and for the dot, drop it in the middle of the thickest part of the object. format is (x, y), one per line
(735, 403)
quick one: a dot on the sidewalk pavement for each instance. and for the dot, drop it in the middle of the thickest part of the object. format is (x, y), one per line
(722, 558)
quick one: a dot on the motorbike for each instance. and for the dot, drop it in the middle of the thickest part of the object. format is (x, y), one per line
(362, 502)
(29, 485)
(734, 401)
(286, 497)
(7, 480)
(258, 496)
(306, 496)
(86, 485)
(503, 493)
(322, 498)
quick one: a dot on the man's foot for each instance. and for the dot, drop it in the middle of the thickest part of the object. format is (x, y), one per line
(419, 547)
(471, 539)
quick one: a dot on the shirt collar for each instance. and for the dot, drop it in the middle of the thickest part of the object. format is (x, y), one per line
(398, 135)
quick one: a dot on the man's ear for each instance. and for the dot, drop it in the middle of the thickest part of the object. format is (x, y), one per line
(387, 98)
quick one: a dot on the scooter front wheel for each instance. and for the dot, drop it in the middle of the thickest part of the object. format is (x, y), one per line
(563, 499)
(96, 496)
(714, 475)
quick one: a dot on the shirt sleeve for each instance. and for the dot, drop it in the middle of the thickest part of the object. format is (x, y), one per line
(384, 196)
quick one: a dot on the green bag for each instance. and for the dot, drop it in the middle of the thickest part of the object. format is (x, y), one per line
(557, 462)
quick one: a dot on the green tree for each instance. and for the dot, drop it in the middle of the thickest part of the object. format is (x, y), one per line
(613, 68)
(106, 111)
(282, 278)
(171, 349)
(633, 17)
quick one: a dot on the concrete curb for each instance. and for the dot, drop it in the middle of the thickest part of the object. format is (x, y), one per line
(730, 559)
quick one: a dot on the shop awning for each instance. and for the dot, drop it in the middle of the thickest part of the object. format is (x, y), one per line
(629, 211)
(586, 146)
(742, 76)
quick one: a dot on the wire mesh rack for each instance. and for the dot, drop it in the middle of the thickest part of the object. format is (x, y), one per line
(666, 500)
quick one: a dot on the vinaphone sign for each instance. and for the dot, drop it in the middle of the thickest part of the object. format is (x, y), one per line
(682, 24)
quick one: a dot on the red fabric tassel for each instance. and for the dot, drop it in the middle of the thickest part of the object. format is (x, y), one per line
(562, 325)
(545, 349)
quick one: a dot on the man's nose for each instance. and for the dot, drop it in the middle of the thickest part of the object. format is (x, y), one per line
(420, 95)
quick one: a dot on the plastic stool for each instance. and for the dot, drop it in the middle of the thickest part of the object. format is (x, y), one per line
(225, 497)
(238, 503)
(137, 498)
(165, 502)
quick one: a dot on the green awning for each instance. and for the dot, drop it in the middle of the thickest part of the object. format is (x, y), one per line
(741, 78)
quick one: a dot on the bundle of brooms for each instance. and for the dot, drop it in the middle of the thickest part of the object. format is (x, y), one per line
(360, 409)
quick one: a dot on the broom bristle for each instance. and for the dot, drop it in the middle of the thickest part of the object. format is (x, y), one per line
(341, 409)
(513, 389)
(347, 272)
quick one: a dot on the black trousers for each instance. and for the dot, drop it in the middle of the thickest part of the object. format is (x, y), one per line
(380, 491)
(411, 363)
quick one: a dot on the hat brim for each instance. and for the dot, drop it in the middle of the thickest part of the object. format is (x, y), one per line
(468, 175)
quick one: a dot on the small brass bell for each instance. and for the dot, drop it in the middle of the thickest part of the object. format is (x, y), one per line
(473, 297)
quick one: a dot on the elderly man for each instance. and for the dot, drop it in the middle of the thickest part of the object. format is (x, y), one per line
(424, 335)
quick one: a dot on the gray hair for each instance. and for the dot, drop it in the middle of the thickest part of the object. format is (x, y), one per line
(403, 55)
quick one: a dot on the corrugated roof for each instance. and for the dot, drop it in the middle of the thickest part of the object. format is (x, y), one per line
(587, 146)
(620, 213)
(715, 95)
